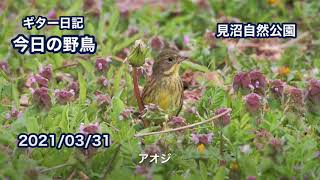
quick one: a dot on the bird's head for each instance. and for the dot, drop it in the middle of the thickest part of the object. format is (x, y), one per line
(167, 63)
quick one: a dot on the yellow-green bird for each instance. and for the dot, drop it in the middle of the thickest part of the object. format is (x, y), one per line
(165, 88)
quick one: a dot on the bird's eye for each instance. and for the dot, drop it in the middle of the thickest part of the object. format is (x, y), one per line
(170, 59)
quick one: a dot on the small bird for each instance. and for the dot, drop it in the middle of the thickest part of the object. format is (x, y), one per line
(165, 88)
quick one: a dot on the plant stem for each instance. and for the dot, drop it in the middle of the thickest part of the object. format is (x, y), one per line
(109, 165)
(136, 89)
(185, 127)
(137, 94)
(221, 143)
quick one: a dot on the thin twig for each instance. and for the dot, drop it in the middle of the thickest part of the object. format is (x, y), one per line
(53, 168)
(66, 66)
(71, 175)
(117, 58)
(185, 127)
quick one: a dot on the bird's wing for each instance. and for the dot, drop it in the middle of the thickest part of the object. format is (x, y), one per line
(148, 88)
(181, 98)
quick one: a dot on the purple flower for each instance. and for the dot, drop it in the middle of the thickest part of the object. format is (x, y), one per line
(4, 66)
(313, 92)
(253, 102)
(13, 114)
(64, 96)
(90, 128)
(142, 170)
(42, 82)
(75, 87)
(151, 107)
(202, 138)
(277, 87)
(46, 72)
(41, 97)
(132, 30)
(156, 43)
(103, 81)
(275, 144)
(146, 69)
(317, 155)
(52, 14)
(192, 110)
(223, 120)
(251, 178)
(102, 64)
(176, 121)
(254, 80)
(36, 79)
(296, 95)
(210, 38)
(241, 81)
(262, 137)
(186, 39)
(258, 81)
(93, 7)
(126, 113)
(102, 99)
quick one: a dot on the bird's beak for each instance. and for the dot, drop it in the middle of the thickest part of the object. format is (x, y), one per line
(182, 58)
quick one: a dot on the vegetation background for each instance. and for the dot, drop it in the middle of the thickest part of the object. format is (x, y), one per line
(272, 134)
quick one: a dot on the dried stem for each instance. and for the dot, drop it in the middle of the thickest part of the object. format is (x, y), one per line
(185, 127)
